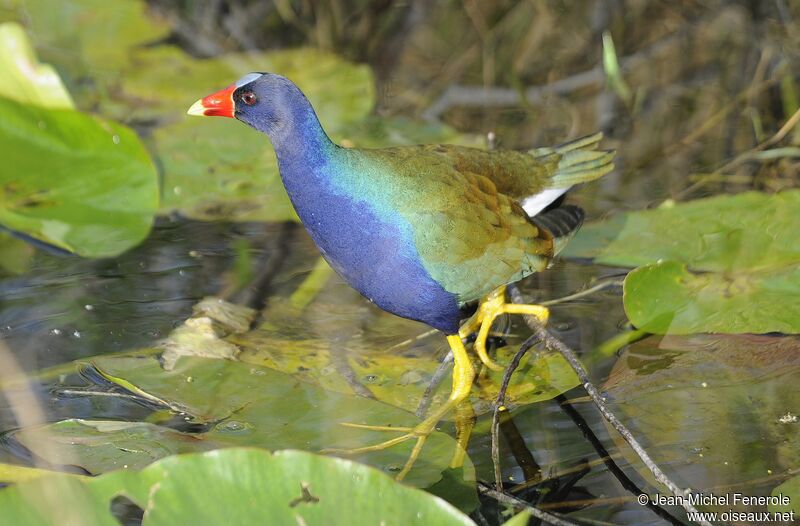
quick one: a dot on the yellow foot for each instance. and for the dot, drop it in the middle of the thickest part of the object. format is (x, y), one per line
(419, 433)
(492, 306)
(463, 375)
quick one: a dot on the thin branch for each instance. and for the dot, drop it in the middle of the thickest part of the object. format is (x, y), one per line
(499, 405)
(511, 500)
(615, 470)
(583, 293)
(551, 342)
(339, 361)
(531, 470)
(436, 379)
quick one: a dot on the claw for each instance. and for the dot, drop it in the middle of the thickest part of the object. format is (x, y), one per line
(492, 306)
(463, 375)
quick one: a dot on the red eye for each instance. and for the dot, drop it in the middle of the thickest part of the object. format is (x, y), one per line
(249, 98)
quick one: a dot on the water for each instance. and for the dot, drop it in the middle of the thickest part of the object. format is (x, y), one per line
(66, 308)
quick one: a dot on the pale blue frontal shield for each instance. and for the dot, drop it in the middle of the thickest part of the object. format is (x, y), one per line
(247, 79)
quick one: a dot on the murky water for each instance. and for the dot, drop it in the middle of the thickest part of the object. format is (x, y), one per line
(66, 308)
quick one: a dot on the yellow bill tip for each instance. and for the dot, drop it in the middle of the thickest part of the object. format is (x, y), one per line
(197, 108)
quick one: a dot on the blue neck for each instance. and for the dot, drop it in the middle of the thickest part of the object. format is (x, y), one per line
(299, 141)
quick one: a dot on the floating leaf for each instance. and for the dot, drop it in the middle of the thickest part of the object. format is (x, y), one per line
(168, 80)
(23, 78)
(74, 181)
(244, 404)
(90, 36)
(791, 490)
(289, 487)
(746, 243)
(749, 231)
(337, 328)
(12, 473)
(216, 169)
(99, 446)
(667, 298)
(250, 486)
(715, 409)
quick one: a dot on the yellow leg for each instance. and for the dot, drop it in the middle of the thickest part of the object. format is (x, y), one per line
(492, 306)
(464, 421)
(463, 376)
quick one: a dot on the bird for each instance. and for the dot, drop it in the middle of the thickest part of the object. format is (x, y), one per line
(421, 231)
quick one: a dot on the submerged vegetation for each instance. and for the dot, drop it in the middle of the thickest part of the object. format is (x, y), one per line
(168, 327)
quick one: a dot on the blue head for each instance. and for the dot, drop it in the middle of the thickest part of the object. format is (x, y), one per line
(270, 103)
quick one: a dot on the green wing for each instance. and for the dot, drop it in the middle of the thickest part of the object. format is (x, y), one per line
(471, 237)
(464, 205)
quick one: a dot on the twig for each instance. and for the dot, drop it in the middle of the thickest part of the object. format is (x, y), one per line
(583, 293)
(620, 475)
(342, 366)
(499, 405)
(511, 500)
(531, 470)
(436, 379)
(551, 342)
(410, 341)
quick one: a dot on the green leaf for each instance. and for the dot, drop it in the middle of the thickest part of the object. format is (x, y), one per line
(250, 486)
(12, 473)
(242, 404)
(23, 78)
(168, 80)
(301, 344)
(520, 519)
(725, 264)
(74, 181)
(748, 231)
(90, 36)
(220, 169)
(100, 446)
(791, 490)
(289, 487)
(720, 409)
(667, 298)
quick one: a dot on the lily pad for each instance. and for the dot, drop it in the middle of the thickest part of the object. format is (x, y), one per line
(90, 37)
(99, 446)
(70, 180)
(339, 328)
(215, 169)
(74, 181)
(668, 298)
(243, 404)
(724, 264)
(251, 486)
(718, 411)
(23, 78)
(790, 489)
(168, 80)
(748, 231)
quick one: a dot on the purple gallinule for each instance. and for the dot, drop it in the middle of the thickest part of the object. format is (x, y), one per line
(420, 230)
